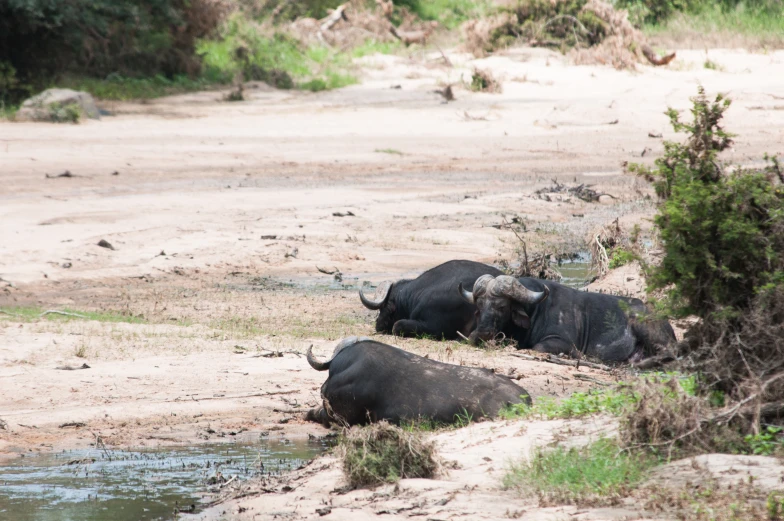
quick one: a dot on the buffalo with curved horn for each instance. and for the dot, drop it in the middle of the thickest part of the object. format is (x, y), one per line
(552, 318)
(428, 304)
(370, 381)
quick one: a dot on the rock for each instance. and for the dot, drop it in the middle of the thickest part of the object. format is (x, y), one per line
(103, 243)
(50, 105)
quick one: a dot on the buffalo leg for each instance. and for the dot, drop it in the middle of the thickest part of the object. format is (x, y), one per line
(411, 328)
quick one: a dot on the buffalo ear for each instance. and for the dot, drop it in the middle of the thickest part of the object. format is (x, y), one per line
(521, 318)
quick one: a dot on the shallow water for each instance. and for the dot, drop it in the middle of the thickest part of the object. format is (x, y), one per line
(135, 485)
(577, 271)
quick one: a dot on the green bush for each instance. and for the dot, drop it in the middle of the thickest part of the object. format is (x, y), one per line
(40, 39)
(723, 231)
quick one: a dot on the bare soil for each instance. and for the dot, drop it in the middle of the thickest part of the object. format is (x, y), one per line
(220, 215)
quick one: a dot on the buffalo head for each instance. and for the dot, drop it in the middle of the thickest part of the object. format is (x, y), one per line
(499, 300)
(384, 305)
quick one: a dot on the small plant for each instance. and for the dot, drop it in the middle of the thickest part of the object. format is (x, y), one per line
(81, 351)
(484, 81)
(712, 65)
(68, 113)
(621, 257)
(775, 506)
(561, 475)
(388, 151)
(769, 441)
(383, 453)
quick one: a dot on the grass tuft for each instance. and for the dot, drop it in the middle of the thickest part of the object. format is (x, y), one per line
(388, 151)
(561, 475)
(383, 453)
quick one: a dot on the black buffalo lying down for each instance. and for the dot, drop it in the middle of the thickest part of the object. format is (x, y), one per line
(370, 381)
(552, 318)
(428, 304)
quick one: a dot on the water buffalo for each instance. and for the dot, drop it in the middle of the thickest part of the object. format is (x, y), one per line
(552, 318)
(428, 305)
(370, 381)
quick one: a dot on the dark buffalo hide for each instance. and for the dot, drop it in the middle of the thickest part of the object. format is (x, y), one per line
(370, 381)
(428, 304)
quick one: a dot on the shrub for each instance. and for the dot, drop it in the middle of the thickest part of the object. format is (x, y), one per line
(382, 453)
(723, 236)
(40, 38)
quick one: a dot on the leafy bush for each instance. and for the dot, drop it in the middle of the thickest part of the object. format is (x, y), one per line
(723, 236)
(579, 473)
(383, 453)
(723, 233)
(40, 38)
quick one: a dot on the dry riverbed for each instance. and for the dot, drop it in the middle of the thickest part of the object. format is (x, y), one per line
(221, 214)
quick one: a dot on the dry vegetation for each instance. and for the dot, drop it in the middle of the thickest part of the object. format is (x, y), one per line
(383, 453)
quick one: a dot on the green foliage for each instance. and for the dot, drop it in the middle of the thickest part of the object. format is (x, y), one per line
(568, 475)
(620, 257)
(769, 441)
(382, 453)
(39, 39)
(722, 232)
(243, 48)
(607, 401)
(67, 113)
(775, 506)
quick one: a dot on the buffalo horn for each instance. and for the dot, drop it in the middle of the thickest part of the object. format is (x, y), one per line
(376, 304)
(467, 295)
(512, 288)
(315, 363)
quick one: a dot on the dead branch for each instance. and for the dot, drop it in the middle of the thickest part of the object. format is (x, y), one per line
(585, 377)
(334, 17)
(558, 361)
(10, 314)
(654, 58)
(72, 424)
(72, 368)
(328, 272)
(288, 411)
(67, 314)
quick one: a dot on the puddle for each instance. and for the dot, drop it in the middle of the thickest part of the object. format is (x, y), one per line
(136, 485)
(576, 271)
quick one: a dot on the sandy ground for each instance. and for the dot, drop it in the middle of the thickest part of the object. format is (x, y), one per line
(221, 214)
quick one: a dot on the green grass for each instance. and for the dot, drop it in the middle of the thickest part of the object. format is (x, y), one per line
(372, 46)
(611, 400)
(117, 87)
(33, 314)
(607, 401)
(243, 48)
(758, 29)
(389, 151)
(567, 475)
